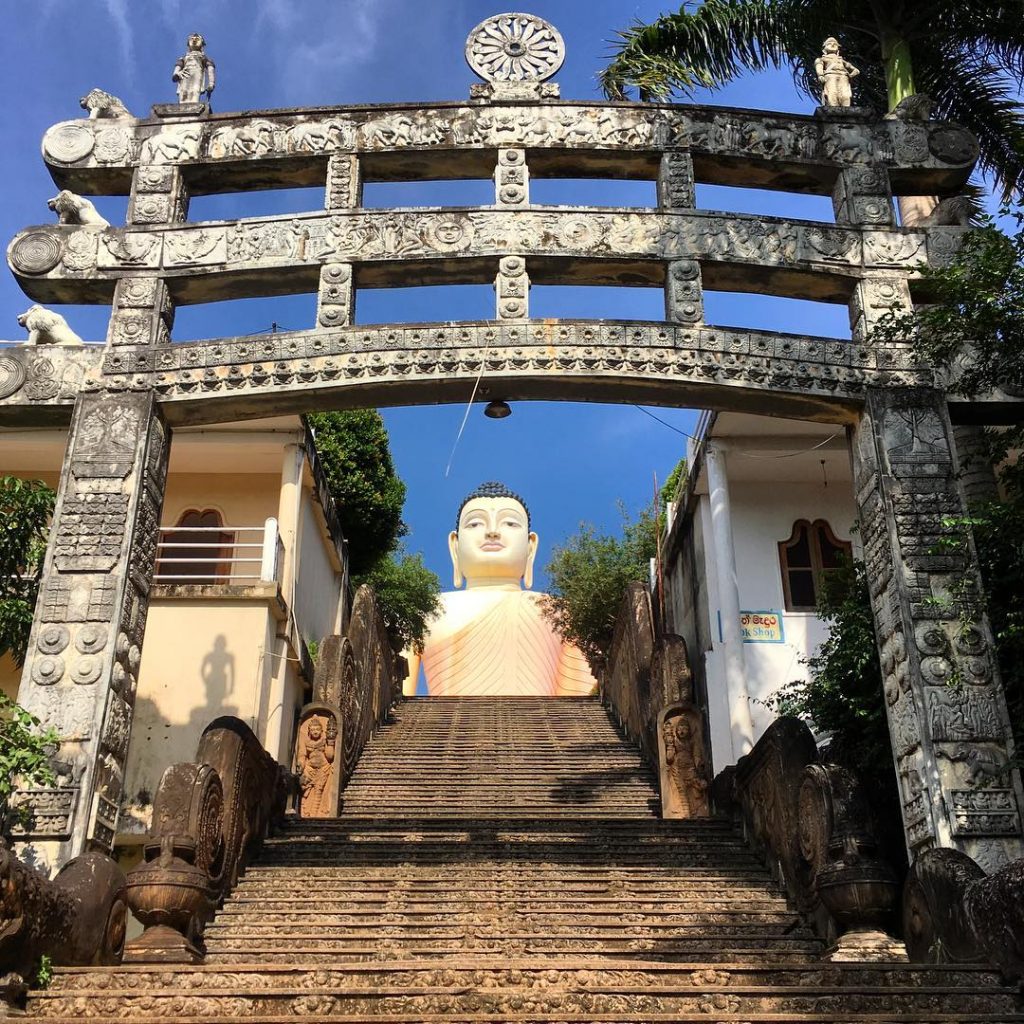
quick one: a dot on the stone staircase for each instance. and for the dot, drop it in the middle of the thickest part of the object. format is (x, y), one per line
(503, 860)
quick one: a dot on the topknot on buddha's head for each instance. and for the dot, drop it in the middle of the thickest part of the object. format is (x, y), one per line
(492, 489)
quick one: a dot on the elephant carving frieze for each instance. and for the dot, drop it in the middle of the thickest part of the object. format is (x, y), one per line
(796, 143)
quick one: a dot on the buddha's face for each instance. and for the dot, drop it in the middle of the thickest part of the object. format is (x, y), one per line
(493, 544)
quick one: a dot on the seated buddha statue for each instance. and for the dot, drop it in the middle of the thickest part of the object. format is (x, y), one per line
(492, 638)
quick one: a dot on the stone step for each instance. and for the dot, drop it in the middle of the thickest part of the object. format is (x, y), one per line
(518, 902)
(576, 973)
(604, 998)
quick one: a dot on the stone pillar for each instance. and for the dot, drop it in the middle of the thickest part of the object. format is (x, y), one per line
(336, 296)
(741, 726)
(684, 293)
(974, 463)
(512, 289)
(511, 179)
(142, 312)
(863, 195)
(85, 647)
(344, 183)
(944, 699)
(676, 189)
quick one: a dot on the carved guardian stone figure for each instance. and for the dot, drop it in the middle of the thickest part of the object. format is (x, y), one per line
(47, 328)
(835, 73)
(194, 73)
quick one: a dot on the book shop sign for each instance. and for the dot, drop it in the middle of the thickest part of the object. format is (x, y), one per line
(762, 627)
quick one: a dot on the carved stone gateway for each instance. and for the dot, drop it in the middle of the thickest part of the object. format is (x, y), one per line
(947, 712)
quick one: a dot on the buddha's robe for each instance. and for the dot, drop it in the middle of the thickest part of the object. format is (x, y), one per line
(499, 644)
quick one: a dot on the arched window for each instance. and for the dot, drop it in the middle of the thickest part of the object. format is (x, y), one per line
(811, 551)
(194, 551)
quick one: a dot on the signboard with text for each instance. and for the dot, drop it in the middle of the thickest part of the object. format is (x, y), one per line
(762, 627)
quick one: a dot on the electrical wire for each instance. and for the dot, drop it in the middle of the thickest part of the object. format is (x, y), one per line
(469, 406)
(665, 423)
(791, 455)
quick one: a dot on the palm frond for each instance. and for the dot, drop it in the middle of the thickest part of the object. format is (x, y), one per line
(976, 93)
(705, 48)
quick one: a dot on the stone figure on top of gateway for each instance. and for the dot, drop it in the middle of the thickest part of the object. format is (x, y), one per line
(492, 638)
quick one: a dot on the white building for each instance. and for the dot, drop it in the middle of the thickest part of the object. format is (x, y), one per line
(766, 509)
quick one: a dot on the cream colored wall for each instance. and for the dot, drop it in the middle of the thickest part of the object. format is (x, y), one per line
(243, 499)
(10, 677)
(317, 586)
(202, 659)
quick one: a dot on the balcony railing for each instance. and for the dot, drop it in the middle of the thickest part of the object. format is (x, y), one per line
(219, 555)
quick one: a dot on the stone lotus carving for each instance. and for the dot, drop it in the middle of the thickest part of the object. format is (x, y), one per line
(954, 913)
(835, 74)
(47, 328)
(515, 48)
(78, 918)
(100, 103)
(74, 209)
(209, 817)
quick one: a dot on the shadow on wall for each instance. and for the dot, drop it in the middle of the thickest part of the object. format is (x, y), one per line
(157, 742)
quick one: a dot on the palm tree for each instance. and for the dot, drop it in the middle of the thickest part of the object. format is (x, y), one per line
(967, 55)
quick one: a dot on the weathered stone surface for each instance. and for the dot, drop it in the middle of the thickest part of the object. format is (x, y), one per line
(85, 648)
(947, 714)
(209, 818)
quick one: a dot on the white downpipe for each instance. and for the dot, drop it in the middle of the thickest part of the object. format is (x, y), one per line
(740, 721)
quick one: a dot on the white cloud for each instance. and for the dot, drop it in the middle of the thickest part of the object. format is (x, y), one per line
(118, 11)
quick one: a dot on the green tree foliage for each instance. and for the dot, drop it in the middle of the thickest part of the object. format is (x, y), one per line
(409, 596)
(843, 696)
(356, 454)
(355, 451)
(965, 54)
(24, 750)
(25, 510)
(589, 575)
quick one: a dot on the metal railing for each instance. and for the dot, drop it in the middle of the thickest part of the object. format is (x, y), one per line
(219, 555)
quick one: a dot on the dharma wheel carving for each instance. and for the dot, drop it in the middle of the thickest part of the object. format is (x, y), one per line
(515, 48)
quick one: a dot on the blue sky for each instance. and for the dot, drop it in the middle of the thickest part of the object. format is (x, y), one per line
(571, 462)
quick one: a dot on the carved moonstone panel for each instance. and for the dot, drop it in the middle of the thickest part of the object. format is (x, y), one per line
(82, 664)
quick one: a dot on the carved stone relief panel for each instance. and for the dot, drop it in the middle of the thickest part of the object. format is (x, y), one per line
(512, 289)
(512, 179)
(863, 195)
(159, 196)
(334, 305)
(142, 312)
(81, 669)
(947, 712)
(684, 297)
(676, 188)
(873, 298)
(344, 189)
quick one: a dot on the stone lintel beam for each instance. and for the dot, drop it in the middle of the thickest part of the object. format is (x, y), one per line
(664, 358)
(233, 259)
(282, 148)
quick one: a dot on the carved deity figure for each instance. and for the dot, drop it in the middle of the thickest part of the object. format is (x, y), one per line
(493, 639)
(314, 763)
(835, 73)
(194, 73)
(687, 789)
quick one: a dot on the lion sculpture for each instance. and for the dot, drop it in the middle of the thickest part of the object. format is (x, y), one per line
(47, 328)
(74, 209)
(102, 104)
(916, 107)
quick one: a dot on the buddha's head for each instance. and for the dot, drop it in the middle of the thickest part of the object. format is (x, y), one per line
(492, 544)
